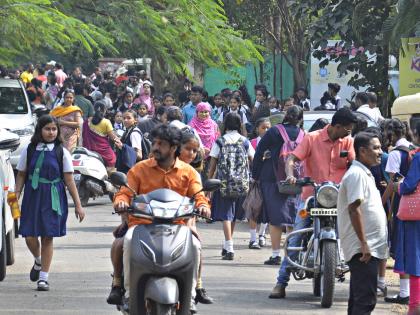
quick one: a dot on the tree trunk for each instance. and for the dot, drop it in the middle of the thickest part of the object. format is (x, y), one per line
(386, 110)
(274, 73)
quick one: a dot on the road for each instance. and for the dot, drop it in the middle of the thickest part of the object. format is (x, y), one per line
(80, 276)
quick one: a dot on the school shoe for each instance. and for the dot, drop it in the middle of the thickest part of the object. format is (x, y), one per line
(381, 291)
(254, 245)
(115, 296)
(228, 256)
(224, 251)
(34, 274)
(202, 297)
(261, 240)
(273, 261)
(278, 292)
(43, 285)
(397, 299)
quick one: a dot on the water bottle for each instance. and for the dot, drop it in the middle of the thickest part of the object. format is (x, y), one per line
(13, 204)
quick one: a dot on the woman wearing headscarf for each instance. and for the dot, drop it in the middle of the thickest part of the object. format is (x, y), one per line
(206, 127)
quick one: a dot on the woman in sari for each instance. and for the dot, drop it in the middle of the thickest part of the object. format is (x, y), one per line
(97, 133)
(206, 127)
(69, 119)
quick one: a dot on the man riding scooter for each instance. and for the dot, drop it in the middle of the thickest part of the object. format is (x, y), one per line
(164, 170)
(321, 151)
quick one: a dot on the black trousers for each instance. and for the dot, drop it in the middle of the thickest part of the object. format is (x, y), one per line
(363, 283)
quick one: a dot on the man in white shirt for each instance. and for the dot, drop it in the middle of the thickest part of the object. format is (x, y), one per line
(362, 100)
(362, 224)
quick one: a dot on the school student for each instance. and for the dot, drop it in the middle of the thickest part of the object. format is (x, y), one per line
(231, 155)
(44, 170)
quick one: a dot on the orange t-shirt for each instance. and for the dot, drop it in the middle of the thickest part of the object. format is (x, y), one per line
(147, 176)
(322, 157)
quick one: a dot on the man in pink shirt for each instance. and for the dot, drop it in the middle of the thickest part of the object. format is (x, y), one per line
(320, 150)
(60, 75)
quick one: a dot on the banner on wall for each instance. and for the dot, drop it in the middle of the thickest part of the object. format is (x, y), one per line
(410, 66)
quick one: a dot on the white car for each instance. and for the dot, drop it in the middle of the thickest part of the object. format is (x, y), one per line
(8, 142)
(16, 114)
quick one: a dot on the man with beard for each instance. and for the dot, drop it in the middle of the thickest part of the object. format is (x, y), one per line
(163, 170)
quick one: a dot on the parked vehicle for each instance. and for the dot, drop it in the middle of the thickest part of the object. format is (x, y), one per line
(90, 175)
(309, 117)
(162, 259)
(8, 142)
(407, 108)
(16, 114)
(319, 251)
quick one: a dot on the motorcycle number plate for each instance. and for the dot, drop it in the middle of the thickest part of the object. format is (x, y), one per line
(77, 177)
(323, 212)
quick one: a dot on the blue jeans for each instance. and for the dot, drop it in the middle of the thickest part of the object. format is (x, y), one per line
(294, 241)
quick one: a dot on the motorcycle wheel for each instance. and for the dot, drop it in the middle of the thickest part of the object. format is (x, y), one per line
(10, 247)
(83, 193)
(3, 254)
(328, 266)
(162, 309)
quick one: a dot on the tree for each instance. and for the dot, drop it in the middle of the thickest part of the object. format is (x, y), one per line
(170, 31)
(36, 25)
(359, 25)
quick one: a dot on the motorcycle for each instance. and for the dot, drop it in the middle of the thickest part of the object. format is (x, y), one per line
(319, 253)
(90, 175)
(162, 260)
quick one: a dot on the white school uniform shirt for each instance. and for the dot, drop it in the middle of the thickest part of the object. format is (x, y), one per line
(394, 158)
(359, 184)
(373, 113)
(136, 139)
(241, 114)
(232, 136)
(67, 160)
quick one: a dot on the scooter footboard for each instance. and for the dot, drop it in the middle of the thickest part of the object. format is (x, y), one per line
(162, 290)
(288, 248)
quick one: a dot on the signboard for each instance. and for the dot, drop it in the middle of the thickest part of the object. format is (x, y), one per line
(320, 77)
(410, 66)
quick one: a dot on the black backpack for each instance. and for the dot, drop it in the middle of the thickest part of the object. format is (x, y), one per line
(59, 152)
(146, 144)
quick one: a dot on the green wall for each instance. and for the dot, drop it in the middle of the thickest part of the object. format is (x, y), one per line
(216, 79)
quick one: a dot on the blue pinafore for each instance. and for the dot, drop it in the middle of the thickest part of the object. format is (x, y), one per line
(44, 205)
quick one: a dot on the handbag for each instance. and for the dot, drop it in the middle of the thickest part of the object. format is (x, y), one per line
(253, 202)
(409, 209)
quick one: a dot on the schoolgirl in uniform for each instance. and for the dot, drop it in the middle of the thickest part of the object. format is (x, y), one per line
(44, 170)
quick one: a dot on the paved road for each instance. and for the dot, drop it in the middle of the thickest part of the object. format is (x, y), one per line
(80, 276)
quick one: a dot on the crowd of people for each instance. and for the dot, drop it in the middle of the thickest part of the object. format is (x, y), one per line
(193, 137)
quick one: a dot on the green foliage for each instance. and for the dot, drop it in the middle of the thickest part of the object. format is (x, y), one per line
(36, 24)
(172, 32)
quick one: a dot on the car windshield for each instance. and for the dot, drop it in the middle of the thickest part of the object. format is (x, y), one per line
(12, 101)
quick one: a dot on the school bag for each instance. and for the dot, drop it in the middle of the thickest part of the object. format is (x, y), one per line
(146, 144)
(232, 168)
(288, 147)
(58, 150)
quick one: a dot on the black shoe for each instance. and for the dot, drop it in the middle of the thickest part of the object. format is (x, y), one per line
(273, 261)
(202, 297)
(397, 299)
(115, 296)
(224, 251)
(34, 274)
(43, 285)
(253, 245)
(228, 256)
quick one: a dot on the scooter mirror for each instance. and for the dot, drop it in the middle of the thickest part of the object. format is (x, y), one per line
(118, 179)
(212, 185)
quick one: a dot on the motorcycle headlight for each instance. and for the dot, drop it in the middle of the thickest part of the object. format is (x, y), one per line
(176, 253)
(327, 196)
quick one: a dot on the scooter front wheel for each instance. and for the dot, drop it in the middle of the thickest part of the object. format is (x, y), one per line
(83, 192)
(162, 309)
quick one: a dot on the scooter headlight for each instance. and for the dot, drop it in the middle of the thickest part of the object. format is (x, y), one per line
(176, 253)
(327, 196)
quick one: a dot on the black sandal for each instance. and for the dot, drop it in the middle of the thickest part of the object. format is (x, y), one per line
(34, 274)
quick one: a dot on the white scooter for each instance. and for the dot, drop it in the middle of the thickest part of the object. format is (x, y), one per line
(90, 175)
